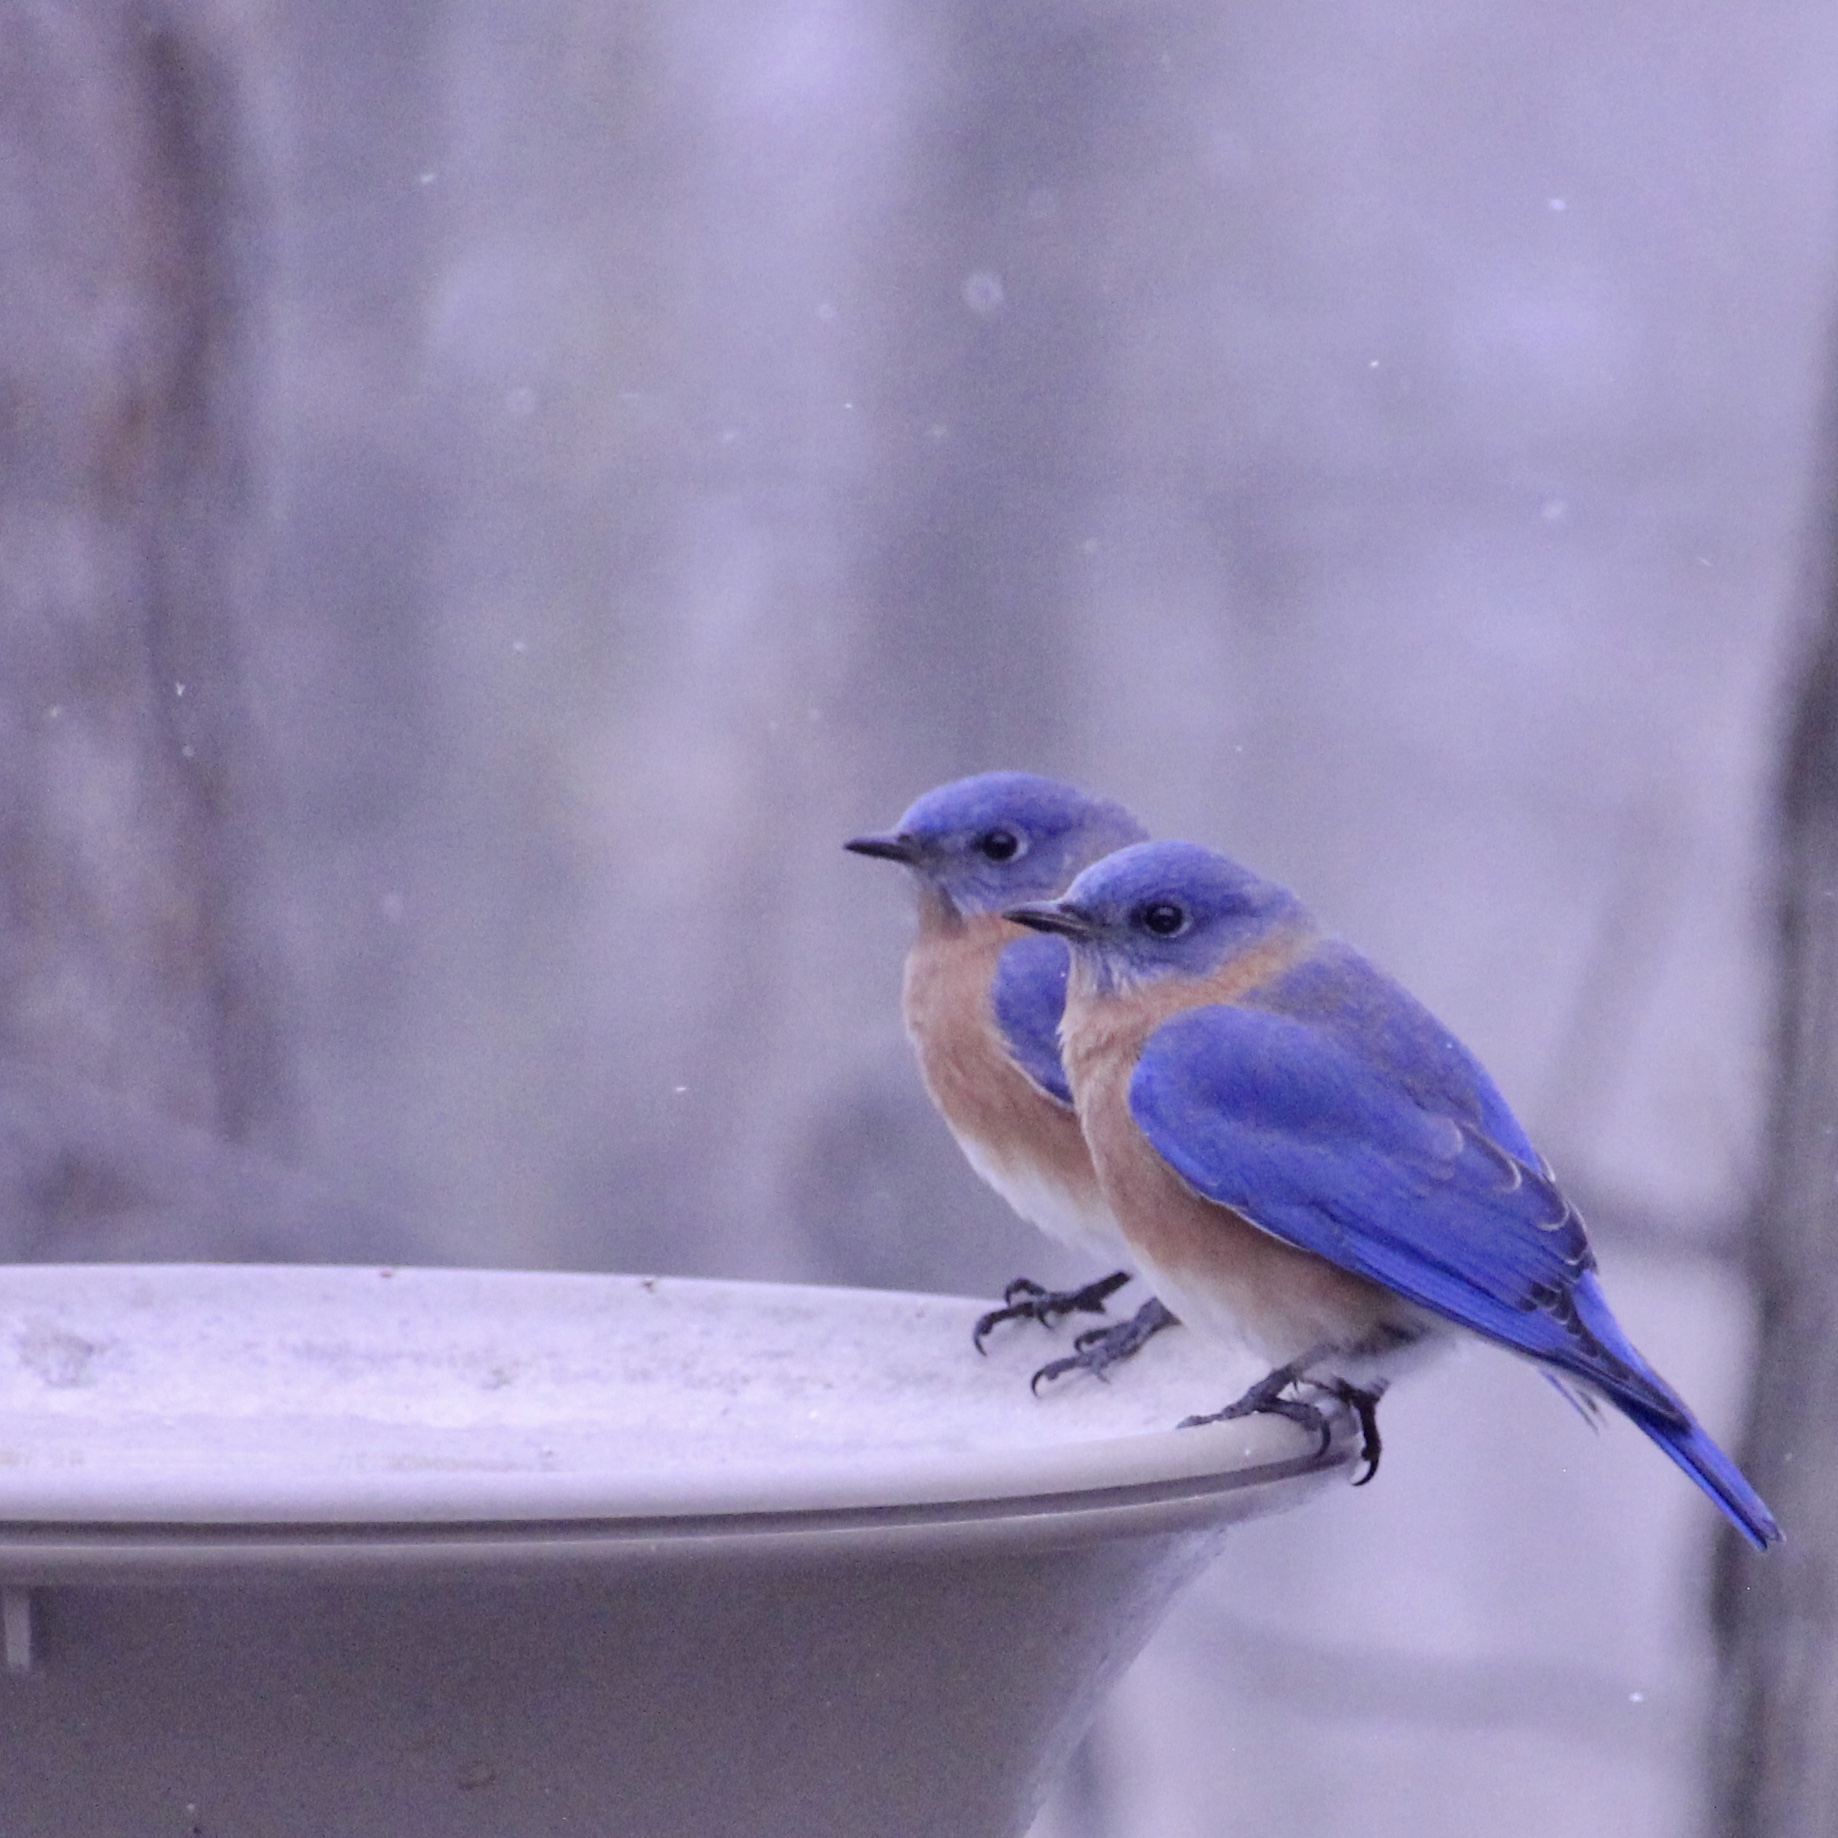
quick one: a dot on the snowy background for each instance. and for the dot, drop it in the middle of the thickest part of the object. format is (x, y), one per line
(496, 490)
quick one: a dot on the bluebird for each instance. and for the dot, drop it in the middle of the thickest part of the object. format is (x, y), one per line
(982, 1005)
(1304, 1159)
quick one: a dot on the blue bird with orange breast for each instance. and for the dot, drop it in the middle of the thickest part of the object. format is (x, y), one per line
(1307, 1161)
(982, 1004)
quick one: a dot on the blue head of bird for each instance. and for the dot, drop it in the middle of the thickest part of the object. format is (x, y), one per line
(1163, 909)
(981, 844)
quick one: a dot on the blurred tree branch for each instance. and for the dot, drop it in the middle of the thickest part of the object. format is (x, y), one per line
(1778, 1617)
(126, 828)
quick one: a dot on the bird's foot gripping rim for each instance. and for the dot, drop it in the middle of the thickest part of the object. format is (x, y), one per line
(1266, 1398)
(1026, 1300)
(1099, 1348)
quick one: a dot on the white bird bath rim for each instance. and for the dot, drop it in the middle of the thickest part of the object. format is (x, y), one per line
(243, 1416)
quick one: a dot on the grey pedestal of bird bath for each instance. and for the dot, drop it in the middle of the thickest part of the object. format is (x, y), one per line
(293, 1552)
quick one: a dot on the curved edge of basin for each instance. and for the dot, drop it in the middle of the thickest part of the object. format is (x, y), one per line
(396, 1504)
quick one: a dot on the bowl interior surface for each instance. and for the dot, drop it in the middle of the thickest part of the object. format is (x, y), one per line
(274, 1394)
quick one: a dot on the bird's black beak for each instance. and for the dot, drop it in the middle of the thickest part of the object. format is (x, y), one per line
(1054, 916)
(889, 846)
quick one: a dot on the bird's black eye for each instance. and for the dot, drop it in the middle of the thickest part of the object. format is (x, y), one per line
(1162, 918)
(999, 845)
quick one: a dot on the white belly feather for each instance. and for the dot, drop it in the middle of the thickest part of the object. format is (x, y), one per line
(1074, 1219)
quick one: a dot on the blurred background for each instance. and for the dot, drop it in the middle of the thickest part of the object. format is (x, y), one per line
(492, 493)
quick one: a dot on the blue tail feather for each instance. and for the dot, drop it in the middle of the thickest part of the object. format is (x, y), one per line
(1654, 1407)
(1718, 1476)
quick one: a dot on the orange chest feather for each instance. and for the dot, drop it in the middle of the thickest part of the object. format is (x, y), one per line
(983, 1094)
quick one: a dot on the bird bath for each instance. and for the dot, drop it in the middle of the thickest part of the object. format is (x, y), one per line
(291, 1551)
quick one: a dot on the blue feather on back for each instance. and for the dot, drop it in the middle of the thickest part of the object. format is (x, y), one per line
(1349, 999)
(1289, 1126)
(1029, 995)
(1284, 1123)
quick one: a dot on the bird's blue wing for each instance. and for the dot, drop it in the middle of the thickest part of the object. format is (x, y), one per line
(1340, 993)
(1029, 996)
(1292, 1127)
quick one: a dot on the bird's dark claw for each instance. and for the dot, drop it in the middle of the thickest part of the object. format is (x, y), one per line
(1297, 1410)
(1364, 1401)
(1026, 1300)
(1099, 1348)
(1266, 1398)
